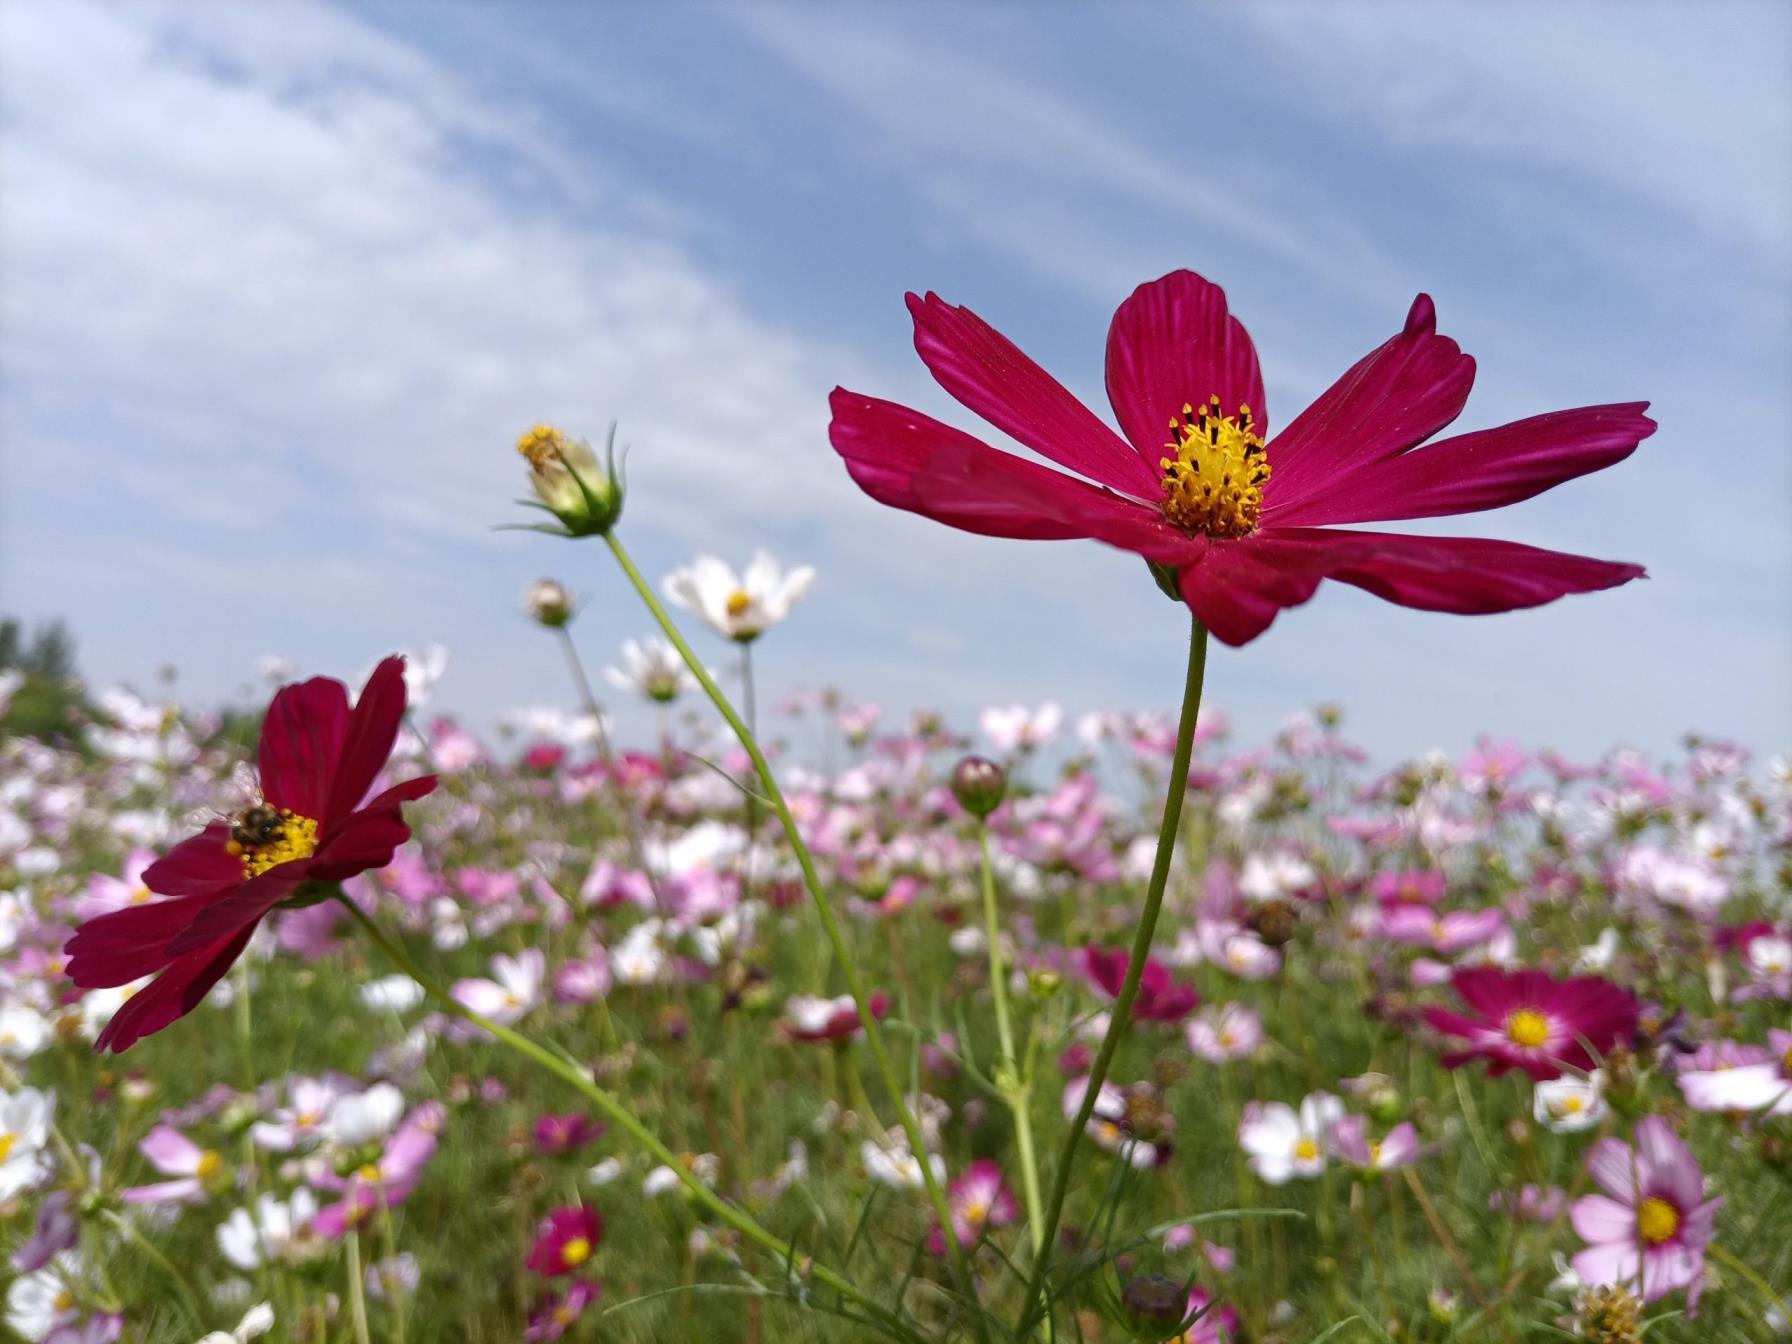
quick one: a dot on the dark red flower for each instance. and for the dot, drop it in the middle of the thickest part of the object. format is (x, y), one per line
(1160, 998)
(1196, 487)
(317, 760)
(1529, 1020)
(565, 1240)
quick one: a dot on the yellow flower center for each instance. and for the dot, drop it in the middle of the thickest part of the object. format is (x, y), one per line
(1527, 1028)
(370, 1174)
(738, 602)
(1213, 481)
(6, 1143)
(1306, 1150)
(65, 1301)
(295, 838)
(576, 1252)
(1566, 1106)
(544, 446)
(1657, 1220)
(209, 1165)
(975, 1211)
(141, 896)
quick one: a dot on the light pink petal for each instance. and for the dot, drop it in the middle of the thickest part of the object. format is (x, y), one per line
(1597, 1218)
(1611, 1262)
(171, 1152)
(1613, 1166)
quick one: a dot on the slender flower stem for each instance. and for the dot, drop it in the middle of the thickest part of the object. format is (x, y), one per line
(1121, 1018)
(357, 1292)
(1015, 1086)
(1753, 1275)
(568, 1072)
(824, 910)
(182, 1284)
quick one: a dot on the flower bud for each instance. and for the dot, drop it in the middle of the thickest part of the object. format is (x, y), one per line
(548, 603)
(1153, 1306)
(979, 785)
(570, 483)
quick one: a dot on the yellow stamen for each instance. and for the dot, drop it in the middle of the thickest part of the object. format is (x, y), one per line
(1527, 1028)
(6, 1143)
(543, 445)
(738, 602)
(141, 896)
(297, 839)
(1213, 480)
(1306, 1150)
(370, 1174)
(1657, 1220)
(209, 1165)
(576, 1252)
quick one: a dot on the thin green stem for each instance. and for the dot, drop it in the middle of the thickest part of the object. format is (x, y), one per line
(570, 1073)
(357, 1292)
(1015, 1087)
(824, 909)
(183, 1285)
(1121, 1018)
(1733, 1261)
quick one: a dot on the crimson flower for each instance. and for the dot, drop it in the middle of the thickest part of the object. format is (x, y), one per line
(1530, 1020)
(565, 1240)
(1160, 998)
(317, 759)
(1239, 521)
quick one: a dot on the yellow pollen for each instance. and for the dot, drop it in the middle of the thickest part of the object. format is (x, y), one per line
(297, 839)
(975, 1212)
(1657, 1220)
(6, 1143)
(1306, 1150)
(563, 1315)
(1570, 1105)
(576, 1252)
(738, 602)
(544, 446)
(1527, 1028)
(65, 1301)
(140, 896)
(209, 1165)
(1213, 480)
(369, 1173)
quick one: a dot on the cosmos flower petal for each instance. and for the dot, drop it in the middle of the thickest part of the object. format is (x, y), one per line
(173, 994)
(301, 740)
(1465, 575)
(125, 945)
(242, 909)
(200, 865)
(1472, 472)
(1598, 1218)
(987, 373)
(1237, 590)
(1396, 396)
(1173, 343)
(372, 729)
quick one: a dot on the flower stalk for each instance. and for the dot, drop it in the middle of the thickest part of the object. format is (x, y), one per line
(1121, 1019)
(1014, 1083)
(830, 923)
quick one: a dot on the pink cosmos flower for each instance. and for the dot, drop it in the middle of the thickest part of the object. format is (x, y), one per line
(565, 1240)
(1761, 1082)
(1211, 1324)
(564, 1133)
(979, 1199)
(1226, 1033)
(106, 893)
(808, 1018)
(557, 1314)
(384, 1183)
(173, 1154)
(1648, 1230)
(1351, 1142)
(1240, 523)
(1160, 999)
(1448, 934)
(1529, 1020)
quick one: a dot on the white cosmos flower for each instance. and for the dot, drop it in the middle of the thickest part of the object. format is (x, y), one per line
(1283, 1144)
(651, 668)
(743, 606)
(1568, 1105)
(256, 1322)
(270, 1233)
(515, 990)
(1017, 728)
(358, 1118)
(24, 1131)
(393, 994)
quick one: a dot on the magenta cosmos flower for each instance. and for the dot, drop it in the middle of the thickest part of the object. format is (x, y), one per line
(565, 1240)
(1649, 1229)
(317, 760)
(1242, 520)
(1530, 1020)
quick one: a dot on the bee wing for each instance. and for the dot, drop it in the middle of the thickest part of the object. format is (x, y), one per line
(241, 790)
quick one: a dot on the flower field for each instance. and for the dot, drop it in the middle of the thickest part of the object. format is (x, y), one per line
(335, 1020)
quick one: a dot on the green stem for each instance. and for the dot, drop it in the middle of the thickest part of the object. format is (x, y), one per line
(824, 910)
(1754, 1276)
(739, 1220)
(1120, 1020)
(357, 1298)
(188, 1296)
(1016, 1088)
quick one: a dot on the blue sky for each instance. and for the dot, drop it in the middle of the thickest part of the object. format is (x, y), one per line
(284, 281)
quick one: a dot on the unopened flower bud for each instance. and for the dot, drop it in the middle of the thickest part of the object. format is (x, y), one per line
(1153, 1306)
(571, 483)
(1274, 922)
(979, 785)
(548, 602)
